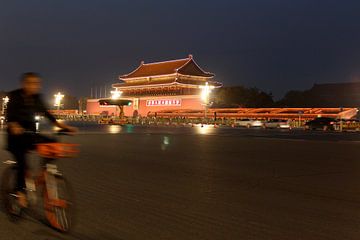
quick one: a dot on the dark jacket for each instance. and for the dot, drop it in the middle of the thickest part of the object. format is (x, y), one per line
(23, 109)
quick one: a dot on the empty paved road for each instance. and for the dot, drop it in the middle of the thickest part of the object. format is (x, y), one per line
(206, 183)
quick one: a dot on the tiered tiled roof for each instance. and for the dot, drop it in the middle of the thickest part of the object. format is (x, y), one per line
(167, 82)
(185, 66)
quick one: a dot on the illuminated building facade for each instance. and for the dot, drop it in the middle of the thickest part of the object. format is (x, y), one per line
(160, 86)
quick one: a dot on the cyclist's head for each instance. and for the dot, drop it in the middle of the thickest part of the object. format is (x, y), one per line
(31, 82)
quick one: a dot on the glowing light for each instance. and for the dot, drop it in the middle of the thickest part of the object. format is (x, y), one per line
(165, 143)
(58, 98)
(204, 129)
(114, 129)
(4, 104)
(116, 94)
(6, 100)
(205, 93)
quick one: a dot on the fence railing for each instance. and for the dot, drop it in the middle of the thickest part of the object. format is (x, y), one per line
(182, 121)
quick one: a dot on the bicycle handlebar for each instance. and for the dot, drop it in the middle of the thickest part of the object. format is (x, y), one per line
(61, 132)
(65, 132)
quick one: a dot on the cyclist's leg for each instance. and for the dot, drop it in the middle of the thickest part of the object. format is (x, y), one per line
(20, 158)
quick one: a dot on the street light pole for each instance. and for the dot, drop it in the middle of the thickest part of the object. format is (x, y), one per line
(205, 96)
(4, 104)
(116, 94)
(58, 99)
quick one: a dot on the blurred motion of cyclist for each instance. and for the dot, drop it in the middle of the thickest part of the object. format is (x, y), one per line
(24, 104)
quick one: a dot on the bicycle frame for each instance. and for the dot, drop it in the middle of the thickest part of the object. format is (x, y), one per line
(45, 179)
(56, 207)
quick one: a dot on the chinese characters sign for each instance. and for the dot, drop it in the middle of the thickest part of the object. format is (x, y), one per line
(163, 102)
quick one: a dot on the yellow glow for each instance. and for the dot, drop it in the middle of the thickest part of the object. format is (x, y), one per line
(6, 100)
(58, 99)
(114, 129)
(205, 93)
(204, 129)
(116, 94)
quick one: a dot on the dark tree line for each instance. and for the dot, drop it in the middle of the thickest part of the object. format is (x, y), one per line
(240, 96)
(320, 95)
(324, 95)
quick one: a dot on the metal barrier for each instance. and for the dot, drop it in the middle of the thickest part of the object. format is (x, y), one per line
(183, 121)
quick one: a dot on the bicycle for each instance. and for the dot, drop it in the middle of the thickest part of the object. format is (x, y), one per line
(50, 185)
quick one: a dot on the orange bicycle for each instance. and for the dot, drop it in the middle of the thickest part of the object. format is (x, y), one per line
(48, 189)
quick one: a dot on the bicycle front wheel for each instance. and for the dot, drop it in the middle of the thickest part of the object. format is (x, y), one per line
(59, 209)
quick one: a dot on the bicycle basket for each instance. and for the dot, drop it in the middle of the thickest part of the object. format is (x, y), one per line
(57, 150)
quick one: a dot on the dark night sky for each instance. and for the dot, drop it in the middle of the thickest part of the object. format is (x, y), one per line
(275, 45)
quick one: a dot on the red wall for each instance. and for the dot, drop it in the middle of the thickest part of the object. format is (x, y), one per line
(187, 102)
(93, 107)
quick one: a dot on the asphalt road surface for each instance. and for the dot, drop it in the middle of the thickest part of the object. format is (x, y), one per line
(207, 183)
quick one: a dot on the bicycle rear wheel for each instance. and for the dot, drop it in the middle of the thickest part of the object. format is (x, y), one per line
(59, 212)
(8, 193)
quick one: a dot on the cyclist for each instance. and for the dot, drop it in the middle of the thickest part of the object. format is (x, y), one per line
(24, 104)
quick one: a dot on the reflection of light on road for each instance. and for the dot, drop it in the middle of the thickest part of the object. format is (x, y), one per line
(204, 129)
(165, 143)
(166, 140)
(129, 128)
(113, 129)
(37, 124)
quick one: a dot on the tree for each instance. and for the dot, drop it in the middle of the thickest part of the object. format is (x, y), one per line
(241, 96)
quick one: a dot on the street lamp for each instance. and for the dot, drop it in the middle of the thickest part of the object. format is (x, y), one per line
(58, 98)
(116, 94)
(4, 104)
(6, 99)
(205, 95)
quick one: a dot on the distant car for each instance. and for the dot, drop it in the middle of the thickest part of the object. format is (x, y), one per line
(322, 123)
(349, 124)
(277, 123)
(350, 121)
(249, 123)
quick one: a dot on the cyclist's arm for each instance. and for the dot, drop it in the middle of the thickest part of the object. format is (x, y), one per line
(66, 127)
(52, 118)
